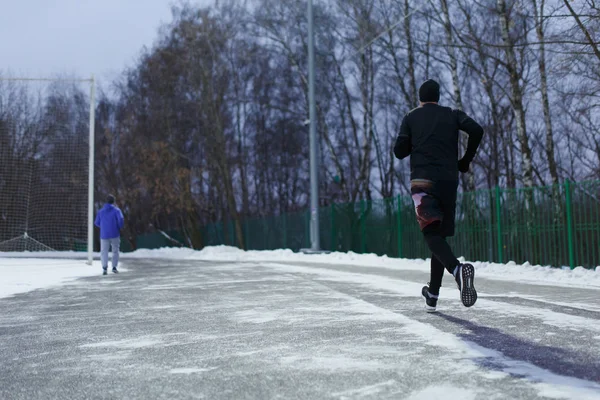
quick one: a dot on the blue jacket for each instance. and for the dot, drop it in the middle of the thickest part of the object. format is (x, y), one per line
(110, 221)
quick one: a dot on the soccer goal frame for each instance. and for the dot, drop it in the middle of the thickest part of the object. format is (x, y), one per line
(92, 121)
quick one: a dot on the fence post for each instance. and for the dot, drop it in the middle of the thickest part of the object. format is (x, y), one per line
(570, 224)
(265, 233)
(220, 232)
(246, 237)
(333, 229)
(363, 230)
(499, 225)
(307, 235)
(284, 233)
(399, 224)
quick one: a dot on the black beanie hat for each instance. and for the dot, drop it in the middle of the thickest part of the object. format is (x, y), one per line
(429, 91)
(110, 199)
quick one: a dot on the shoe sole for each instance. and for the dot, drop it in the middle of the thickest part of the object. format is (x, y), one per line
(430, 309)
(468, 294)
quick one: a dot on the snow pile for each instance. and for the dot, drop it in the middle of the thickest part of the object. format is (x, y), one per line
(227, 253)
(534, 274)
(24, 274)
(177, 253)
(539, 274)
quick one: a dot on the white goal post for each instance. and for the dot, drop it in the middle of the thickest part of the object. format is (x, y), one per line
(46, 166)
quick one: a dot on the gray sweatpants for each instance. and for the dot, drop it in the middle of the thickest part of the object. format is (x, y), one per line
(105, 244)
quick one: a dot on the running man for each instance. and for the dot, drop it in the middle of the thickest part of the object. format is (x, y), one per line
(429, 134)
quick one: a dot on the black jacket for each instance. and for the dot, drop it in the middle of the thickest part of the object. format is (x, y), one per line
(430, 135)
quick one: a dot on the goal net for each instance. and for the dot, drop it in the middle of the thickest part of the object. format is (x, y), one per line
(44, 164)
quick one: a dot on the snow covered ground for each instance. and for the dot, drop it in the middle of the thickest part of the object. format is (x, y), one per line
(20, 275)
(223, 323)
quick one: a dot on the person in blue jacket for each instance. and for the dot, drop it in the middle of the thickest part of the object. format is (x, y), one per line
(110, 221)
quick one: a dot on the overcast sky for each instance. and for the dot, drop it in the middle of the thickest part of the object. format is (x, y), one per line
(42, 38)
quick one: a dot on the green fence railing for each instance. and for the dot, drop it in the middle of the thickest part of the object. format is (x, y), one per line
(555, 225)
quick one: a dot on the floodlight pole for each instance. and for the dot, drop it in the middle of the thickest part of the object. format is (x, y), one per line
(314, 176)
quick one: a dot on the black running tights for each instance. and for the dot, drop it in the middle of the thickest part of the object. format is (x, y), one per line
(442, 258)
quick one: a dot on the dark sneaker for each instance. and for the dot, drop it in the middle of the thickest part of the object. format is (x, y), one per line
(430, 299)
(465, 274)
(115, 271)
(104, 272)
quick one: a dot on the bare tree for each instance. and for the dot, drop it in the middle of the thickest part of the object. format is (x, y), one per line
(512, 68)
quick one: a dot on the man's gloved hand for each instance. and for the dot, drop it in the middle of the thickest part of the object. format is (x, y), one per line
(463, 165)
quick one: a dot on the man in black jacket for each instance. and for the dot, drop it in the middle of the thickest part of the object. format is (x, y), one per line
(429, 134)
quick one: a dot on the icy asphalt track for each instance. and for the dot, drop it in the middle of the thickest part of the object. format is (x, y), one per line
(215, 330)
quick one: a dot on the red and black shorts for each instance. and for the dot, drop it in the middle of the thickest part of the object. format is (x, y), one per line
(435, 204)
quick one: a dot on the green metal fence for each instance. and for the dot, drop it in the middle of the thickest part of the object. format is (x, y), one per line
(556, 225)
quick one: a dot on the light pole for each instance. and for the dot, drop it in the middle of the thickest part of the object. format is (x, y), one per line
(314, 176)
